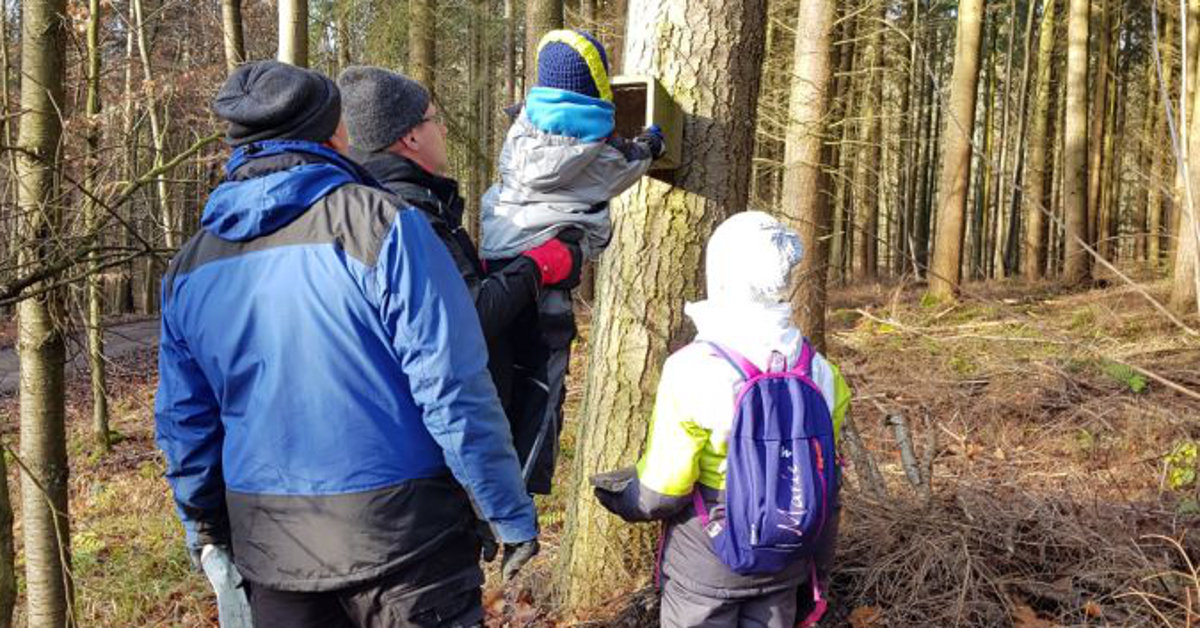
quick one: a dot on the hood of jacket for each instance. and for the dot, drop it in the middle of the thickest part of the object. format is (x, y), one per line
(748, 265)
(562, 112)
(269, 184)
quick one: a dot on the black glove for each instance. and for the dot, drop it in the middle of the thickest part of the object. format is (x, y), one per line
(515, 557)
(652, 138)
(487, 541)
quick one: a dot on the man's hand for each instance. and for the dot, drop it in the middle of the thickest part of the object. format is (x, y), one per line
(515, 557)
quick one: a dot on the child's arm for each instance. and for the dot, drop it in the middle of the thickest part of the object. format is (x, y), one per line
(669, 468)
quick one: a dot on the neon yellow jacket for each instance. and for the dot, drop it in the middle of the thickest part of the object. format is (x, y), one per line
(694, 407)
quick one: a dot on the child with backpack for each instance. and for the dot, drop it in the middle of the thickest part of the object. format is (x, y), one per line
(741, 459)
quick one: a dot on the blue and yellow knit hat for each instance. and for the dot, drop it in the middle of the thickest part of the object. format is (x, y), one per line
(574, 61)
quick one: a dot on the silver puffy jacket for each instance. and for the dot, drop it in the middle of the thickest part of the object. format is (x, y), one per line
(549, 182)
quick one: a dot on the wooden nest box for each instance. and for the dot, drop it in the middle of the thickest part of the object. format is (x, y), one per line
(642, 101)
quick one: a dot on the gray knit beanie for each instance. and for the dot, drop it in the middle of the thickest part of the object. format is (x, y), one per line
(269, 100)
(380, 107)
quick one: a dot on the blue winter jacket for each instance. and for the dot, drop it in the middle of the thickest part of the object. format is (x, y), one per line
(321, 372)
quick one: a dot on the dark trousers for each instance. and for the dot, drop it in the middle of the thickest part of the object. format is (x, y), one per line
(683, 608)
(389, 602)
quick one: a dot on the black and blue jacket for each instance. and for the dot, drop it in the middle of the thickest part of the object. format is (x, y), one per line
(321, 375)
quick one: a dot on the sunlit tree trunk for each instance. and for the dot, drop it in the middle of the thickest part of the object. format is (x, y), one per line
(1041, 140)
(1077, 267)
(91, 219)
(956, 155)
(231, 30)
(422, 41)
(654, 263)
(44, 517)
(541, 16)
(807, 186)
(293, 32)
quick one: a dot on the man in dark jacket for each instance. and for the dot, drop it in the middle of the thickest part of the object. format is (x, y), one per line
(324, 404)
(397, 134)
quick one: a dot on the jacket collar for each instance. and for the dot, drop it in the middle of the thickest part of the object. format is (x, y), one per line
(435, 195)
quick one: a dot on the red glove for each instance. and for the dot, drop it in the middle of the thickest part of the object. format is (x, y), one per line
(554, 259)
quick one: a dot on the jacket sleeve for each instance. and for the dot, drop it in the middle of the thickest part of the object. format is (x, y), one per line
(502, 294)
(188, 429)
(612, 170)
(669, 467)
(436, 335)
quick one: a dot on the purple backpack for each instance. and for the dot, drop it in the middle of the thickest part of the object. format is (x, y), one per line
(781, 478)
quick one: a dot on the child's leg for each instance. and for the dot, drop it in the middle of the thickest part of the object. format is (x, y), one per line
(773, 610)
(686, 609)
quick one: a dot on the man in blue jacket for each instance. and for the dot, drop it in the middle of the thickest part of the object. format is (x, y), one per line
(324, 403)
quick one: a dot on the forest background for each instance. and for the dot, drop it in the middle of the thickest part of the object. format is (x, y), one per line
(997, 199)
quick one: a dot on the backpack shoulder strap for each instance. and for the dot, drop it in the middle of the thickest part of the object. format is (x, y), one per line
(744, 367)
(804, 362)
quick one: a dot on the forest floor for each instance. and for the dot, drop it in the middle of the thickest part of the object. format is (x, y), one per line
(1052, 457)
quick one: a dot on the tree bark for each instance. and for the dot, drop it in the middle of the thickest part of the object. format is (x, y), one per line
(293, 32)
(1155, 245)
(978, 229)
(91, 219)
(1185, 291)
(1141, 234)
(842, 157)
(1077, 267)
(1012, 243)
(956, 156)
(422, 42)
(541, 17)
(231, 29)
(1186, 111)
(1036, 200)
(1098, 116)
(157, 132)
(40, 342)
(654, 262)
(870, 142)
(807, 186)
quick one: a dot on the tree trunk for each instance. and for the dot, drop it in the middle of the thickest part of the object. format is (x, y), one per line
(343, 17)
(293, 32)
(979, 223)
(929, 153)
(654, 262)
(1012, 243)
(1155, 245)
(871, 142)
(422, 42)
(1150, 101)
(91, 219)
(1185, 293)
(1037, 202)
(956, 156)
(995, 259)
(40, 341)
(541, 17)
(231, 27)
(806, 182)
(1077, 267)
(510, 53)
(1187, 102)
(157, 132)
(841, 159)
(1099, 117)
(1106, 205)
